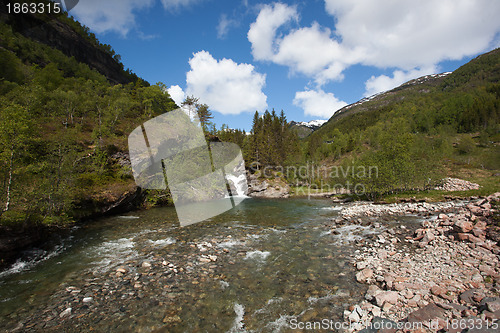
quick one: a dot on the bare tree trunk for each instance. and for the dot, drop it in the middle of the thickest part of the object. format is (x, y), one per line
(100, 132)
(9, 183)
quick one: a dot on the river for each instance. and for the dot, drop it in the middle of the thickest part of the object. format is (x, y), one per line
(255, 268)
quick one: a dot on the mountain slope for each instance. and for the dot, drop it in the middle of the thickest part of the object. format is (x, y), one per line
(303, 128)
(478, 74)
(420, 130)
(64, 125)
(72, 39)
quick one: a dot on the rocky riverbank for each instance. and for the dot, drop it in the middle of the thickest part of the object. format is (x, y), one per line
(443, 276)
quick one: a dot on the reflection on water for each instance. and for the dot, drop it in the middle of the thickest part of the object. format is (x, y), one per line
(253, 269)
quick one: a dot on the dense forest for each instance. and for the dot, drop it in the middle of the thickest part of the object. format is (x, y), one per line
(61, 127)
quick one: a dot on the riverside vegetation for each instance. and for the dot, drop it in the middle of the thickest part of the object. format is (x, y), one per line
(64, 125)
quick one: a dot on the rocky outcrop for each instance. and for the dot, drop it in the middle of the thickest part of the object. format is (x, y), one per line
(456, 184)
(267, 187)
(61, 36)
(13, 241)
(126, 202)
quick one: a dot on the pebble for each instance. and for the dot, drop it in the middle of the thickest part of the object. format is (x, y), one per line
(65, 313)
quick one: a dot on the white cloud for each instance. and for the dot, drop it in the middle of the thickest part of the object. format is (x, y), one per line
(226, 86)
(175, 5)
(318, 103)
(224, 24)
(110, 15)
(310, 51)
(381, 83)
(262, 32)
(406, 35)
(409, 34)
(177, 94)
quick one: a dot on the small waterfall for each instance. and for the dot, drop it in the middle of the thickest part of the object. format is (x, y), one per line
(240, 184)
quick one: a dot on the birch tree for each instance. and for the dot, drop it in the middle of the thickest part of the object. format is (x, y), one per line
(14, 131)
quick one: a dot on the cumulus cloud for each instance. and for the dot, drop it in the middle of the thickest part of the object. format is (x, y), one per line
(405, 35)
(314, 55)
(377, 84)
(409, 34)
(262, 33)
(177, 94)
(109, 15)
(318, 103)
(226, 86)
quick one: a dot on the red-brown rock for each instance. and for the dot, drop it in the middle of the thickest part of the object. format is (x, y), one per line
(463, 226)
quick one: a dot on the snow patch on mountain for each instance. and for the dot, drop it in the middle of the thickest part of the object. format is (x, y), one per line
(313, 123)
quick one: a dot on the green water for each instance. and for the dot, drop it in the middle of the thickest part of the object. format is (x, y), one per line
(275, 261)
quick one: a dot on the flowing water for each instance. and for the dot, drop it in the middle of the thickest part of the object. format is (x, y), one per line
(255, 268)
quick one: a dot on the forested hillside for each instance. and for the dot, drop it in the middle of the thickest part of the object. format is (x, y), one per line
(419, 132)
(66, 113)
(64, 126)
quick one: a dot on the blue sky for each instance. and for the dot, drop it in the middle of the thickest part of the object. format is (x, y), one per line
(308, 58)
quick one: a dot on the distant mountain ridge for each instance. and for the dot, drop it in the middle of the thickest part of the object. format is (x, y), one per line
(304, 128)
(473, 73)
(430, 79)
(413, 82)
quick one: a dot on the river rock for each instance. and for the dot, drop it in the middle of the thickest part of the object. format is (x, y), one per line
(463, 226)
(428, 237)
(365, 275)
(470, 296)
(373, 290)
(360, 265)
(443, 216)
(376, 311)
(122, 270)
(463, 236)
(383, 297)
(356, 314)
(427, 315)
(172, 319)
(65, 313)
(438, 291)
